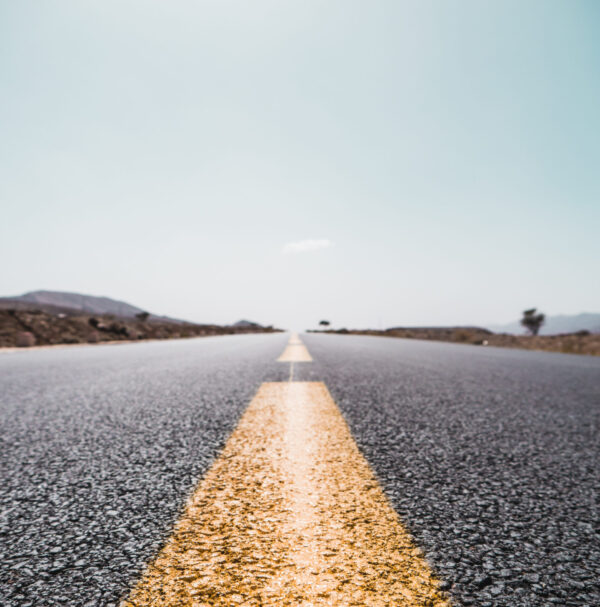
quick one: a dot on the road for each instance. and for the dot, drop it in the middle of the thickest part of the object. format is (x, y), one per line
(490, 457)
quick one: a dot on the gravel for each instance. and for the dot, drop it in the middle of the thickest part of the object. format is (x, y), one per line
(489, 455)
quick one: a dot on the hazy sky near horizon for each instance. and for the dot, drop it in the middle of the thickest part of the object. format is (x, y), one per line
(374, 163)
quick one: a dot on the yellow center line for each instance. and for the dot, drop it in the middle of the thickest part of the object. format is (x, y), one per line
(289, 514)
(295, 338)
(295, 351)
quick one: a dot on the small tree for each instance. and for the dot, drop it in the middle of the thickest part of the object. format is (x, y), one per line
(324, 323)
(143, 316)
(532, 321)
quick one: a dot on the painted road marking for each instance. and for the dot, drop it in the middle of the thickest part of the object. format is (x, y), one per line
(289, 514)
(295, 339)
(295, 351)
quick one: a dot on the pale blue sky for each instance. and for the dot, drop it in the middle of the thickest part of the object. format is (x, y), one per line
(165, 153)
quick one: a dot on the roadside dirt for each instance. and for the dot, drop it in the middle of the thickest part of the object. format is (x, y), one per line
(26, 328)
(568, 343)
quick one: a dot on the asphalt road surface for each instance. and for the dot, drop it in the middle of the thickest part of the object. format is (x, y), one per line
(490, 456)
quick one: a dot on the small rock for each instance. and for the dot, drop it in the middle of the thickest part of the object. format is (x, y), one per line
(25, 339)
(481, 581)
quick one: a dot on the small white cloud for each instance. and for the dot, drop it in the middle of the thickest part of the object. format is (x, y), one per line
(304, 246)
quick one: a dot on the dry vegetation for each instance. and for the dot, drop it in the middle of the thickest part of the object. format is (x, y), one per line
(20, 327)
(581, 342)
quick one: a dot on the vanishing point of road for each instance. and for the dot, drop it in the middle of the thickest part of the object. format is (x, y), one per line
(320, 470)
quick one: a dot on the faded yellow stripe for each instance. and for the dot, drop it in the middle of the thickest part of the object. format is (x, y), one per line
(290, 514)
(294, 339)
(295, 351)
(295, 354)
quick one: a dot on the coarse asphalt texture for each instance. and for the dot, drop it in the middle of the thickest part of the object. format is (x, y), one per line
(101, 446)
(489, 455)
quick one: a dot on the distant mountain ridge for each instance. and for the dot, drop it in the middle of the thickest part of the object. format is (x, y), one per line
(76, 303)
(56, 302)
(554, 325)
(88, 304)
(245, 324)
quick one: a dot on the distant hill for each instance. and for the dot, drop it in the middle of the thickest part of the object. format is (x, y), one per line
(55, 302)
(248, 324)
(87, 304)
(71, 304)
(556, 324)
